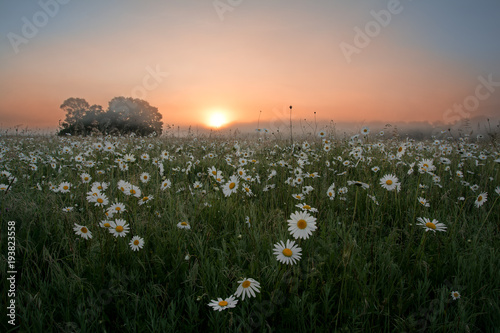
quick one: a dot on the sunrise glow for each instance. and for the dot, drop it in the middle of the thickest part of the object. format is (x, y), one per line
(217, 120)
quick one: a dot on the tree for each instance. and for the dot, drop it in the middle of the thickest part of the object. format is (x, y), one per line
(133, 115)
(76, 109)
(123, 116)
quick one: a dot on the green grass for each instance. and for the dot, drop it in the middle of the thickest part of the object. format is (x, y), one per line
(367, 267)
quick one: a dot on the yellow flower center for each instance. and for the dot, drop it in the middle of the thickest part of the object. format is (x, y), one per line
(456, 295)
(247, 189)
(245, 284)
(400, 149)
(122, 189)
(65, 187)
(136, 242)
(306, 207)
(107, 225)
(430, 225)
(241, 173)
(145, 199)
(214, 172)
(118, 208)
(86, 178)
(231, 186)
(388, 182)
(119, 228)
(330, 194)
(84, 230)
(184, 223)
(298, 196)
(480, 198)
(301, 224)
(287, 252)
(426, 165)
(99, 187)
(132, 191)
(222, 303)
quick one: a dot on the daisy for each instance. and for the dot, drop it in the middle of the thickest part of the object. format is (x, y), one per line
(248, 287)
(306, 207)
(390, 182)
(145, 199)
(85, 178)
(64, 187)
(99, 199)
(481, 199)
(67, 209)
(119, 228)
(166, 184)
(301, 225)
(247, 221)
(365, 131)
(145, 177)
(183, 225)
(455, 295)
(231, 186)
(105, 224)
(298, 196)
(423, 202)
(431, 226)
(287, 254)
(80, 230)
(221, 304)
(117, 207)
(136, 243)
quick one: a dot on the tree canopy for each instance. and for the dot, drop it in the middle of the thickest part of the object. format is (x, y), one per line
(124, 115)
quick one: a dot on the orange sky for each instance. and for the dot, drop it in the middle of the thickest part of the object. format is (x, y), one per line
(260, 57)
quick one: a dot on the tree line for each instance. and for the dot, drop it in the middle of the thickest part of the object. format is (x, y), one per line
(125, 115)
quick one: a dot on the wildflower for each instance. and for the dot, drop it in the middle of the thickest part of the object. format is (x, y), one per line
(455, 295)
(136, 243)
(64, 187)
(145, 177)
(85, 178)
(117, 207)
(431, 226)
(390, 182)
(358, 183)
(105, 224)
(221, 304)
(81, 230)
(166, 184)
(67, 209)
(365, 131)
(145, 199)
(287, 254)
(423, 202)
(375, 169)
(298, 196)
(481, 199)
(306, 207)
(247, 221)
(119, 228)
(301, 225)
(248, 287)
(99, 199)
(231, 186)
(183, 225)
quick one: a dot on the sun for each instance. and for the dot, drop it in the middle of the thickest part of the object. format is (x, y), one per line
(217, 120)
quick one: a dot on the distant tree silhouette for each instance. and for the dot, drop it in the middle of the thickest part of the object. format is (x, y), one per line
(124, 115)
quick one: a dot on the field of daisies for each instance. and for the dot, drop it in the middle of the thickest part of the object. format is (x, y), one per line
(355, 234)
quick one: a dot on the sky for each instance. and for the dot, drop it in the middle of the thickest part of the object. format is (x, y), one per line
(226, 63)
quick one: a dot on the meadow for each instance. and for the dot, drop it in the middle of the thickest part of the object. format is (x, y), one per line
(195, 234)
